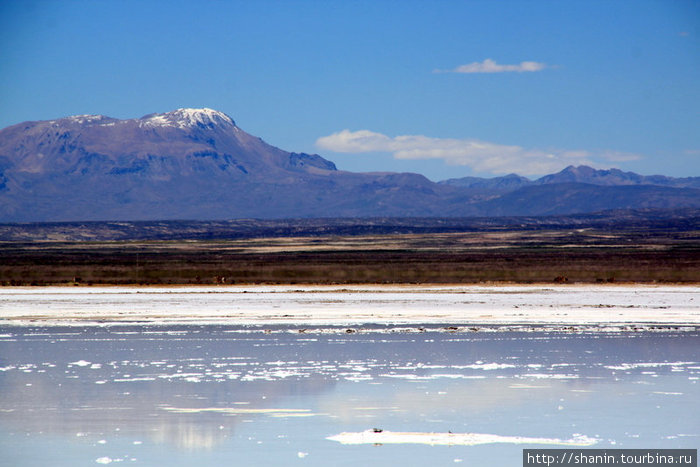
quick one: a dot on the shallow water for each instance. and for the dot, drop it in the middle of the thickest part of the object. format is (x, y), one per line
(226, 395)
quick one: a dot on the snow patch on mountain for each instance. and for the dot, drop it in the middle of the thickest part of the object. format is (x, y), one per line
(188, 118)
(83, 119)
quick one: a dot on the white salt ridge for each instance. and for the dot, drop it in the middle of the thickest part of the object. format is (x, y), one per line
(181, 375)
(639, 305)
(630, 366)
(128, 380)
(451, 439)
(485, 366)
(241, 411)
(81, 363)
(547, 376)
(357, 378)
(413, 377)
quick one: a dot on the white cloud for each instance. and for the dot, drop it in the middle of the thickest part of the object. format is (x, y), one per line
(490, 66)
(481, 156)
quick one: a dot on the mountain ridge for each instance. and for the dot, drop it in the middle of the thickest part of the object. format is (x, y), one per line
(578, 174)
(198, 164)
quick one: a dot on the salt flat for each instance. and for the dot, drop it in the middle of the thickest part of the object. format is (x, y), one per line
(371, 394)
(353, 305)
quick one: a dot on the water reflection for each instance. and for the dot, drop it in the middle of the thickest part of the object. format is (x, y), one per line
(172, 396)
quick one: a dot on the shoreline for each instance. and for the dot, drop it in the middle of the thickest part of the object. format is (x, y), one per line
(617, 305)
(494, 283)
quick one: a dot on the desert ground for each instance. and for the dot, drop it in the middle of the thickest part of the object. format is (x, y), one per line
(540, 256)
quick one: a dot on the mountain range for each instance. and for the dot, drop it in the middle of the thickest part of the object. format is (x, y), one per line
(198, 164)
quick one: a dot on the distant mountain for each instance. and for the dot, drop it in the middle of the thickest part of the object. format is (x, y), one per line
(186, 164)
(571, 174)
(578, 198)
(506, 183)
(198, 164)
(615, 177)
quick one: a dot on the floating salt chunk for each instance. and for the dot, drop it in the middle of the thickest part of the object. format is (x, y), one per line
(447, 439)
(104, 460)
(81, 363)
(302, 455)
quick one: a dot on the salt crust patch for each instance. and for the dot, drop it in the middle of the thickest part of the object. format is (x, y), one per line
(630, 366)
(485, 366)
(547, 376)
(81, 363)
(332, 305)
(240, 411)
(410, 376)
(451, 439)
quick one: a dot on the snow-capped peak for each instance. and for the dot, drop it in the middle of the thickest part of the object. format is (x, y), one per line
(186, 118)
(83, 119)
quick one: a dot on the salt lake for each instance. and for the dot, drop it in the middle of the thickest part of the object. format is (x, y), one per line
(323, 376)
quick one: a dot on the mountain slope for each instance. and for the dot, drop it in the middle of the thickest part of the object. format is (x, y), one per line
(190, 163)
(502, 184)
(198, 164)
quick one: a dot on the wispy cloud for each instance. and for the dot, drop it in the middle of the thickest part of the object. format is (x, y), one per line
(490, 66)
(481, 156)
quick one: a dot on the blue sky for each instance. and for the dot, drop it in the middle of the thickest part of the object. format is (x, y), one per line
(442, 88)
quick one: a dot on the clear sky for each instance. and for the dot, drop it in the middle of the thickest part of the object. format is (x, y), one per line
(442, 88)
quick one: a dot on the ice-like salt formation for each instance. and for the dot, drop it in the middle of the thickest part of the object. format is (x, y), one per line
(450, 439)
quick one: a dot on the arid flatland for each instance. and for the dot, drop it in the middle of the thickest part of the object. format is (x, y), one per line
(576, 255)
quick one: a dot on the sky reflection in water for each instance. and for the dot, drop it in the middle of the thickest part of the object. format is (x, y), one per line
(241, 396)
